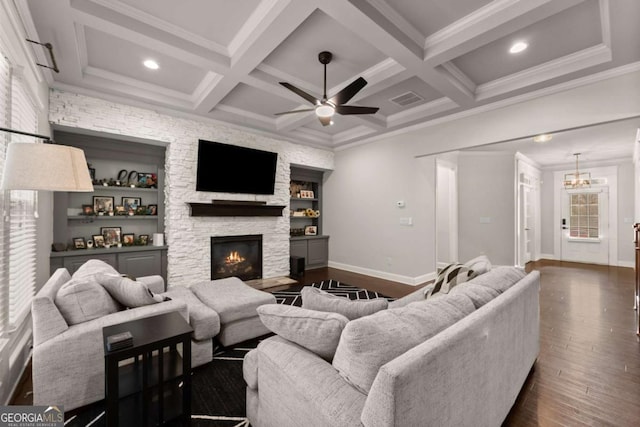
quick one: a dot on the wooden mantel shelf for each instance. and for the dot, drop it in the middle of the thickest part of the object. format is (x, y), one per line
(235, 208)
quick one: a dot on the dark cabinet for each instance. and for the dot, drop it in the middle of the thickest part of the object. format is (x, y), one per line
(139, 264)
(314, 249)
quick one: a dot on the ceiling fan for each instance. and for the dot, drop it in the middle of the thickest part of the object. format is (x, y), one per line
(325, 108)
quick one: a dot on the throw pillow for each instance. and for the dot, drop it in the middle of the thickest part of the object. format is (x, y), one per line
(479, 264)
(81, 300)
(92, 267)
(126, 291)
(316, 299)
(448, 278)
(316, 331)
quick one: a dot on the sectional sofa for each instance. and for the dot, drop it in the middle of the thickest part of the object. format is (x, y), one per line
(455, 360)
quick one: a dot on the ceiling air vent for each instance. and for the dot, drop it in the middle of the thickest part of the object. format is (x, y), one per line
(407, 98)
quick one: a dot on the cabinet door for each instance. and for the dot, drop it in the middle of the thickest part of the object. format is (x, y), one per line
(299, 248)
(138, 264)
(318, 252)
(73, 263)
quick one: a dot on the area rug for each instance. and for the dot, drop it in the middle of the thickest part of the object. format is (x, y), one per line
(218, 388)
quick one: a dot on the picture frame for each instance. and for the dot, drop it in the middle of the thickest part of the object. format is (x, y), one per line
(88, 210)
(128, 239)
(141, 210)
(147, 180)
(131, 203)
(311, 230)
(98, 240)
(79, 243)
(111, 235)
(92, 174)
(120, 210)
(102, 204)
(306, 194)
(152, 209)
(143, 239)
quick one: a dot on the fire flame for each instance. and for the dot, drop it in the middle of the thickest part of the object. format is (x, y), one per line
(234, 258)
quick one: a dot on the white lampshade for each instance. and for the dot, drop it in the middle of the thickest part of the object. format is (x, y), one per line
(50, 167)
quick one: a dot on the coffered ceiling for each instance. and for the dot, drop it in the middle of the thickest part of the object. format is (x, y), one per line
(223, 59)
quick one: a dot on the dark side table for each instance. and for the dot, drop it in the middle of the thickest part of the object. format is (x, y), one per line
(149, 383)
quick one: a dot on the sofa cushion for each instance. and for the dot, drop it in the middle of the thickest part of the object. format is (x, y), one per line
(127, 292)
(449, 277)
(317, 299)
(369, 342)
(81, 300)
(479, 264)
(204, 320)
(500, 278)
(480, 295)
(92, 267)
(317, 331)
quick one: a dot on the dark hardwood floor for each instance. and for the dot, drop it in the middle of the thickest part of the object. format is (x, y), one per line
(588, 370)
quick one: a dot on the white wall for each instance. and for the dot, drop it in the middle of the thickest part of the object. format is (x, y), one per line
(626, 207)
(486, 206)
(380, 172)
(188, 237)
(547, 220)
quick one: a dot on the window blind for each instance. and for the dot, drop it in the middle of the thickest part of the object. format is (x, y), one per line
(5, 92)
(22, 221)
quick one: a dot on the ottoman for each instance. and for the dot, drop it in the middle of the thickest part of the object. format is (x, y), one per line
(236, 303)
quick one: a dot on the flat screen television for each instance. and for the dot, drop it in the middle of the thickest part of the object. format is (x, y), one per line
(224, 168)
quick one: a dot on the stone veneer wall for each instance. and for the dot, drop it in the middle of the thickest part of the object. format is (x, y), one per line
(189, 237)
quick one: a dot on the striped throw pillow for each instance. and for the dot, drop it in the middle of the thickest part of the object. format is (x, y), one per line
(449, 277)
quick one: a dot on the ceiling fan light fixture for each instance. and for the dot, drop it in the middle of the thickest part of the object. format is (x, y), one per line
(518, 47)
(151, 64)
(325, 110)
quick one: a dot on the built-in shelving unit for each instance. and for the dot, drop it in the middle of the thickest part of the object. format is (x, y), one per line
(307, 239)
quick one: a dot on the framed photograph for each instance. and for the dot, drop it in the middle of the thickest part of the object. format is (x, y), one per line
(92, 174)
(102, 204)
(131, 203)
(144, 239)
(79, 243)
(152, 210)
(141, 210)
(128, 239)
(306, 194)
(120, 210)
(98, 241)
(311, 230)
(88, 210)
(111, 235)
(146, 179)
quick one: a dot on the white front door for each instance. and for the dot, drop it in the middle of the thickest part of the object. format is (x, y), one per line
(585, 225)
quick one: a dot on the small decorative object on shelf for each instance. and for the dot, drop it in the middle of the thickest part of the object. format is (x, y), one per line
(128, 239)
(58, 247)
(88, 210)
(311, 213)
(102, 204)
(152, 210)
(111, 235)
(89, 244)
(298, 212)
(141, 210)
(119, 341)
(92, 173)
(311, 230)
(297, 232)
(306, 194)
(79, 243)
(143, 240)
(98, 240)
(120, 210)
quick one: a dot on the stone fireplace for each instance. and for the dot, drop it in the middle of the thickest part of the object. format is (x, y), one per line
(239, 256)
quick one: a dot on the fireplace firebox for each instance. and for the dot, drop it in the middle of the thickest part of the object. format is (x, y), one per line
(239, 256)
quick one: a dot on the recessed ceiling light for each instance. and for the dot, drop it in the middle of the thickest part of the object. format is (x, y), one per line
(151, 64)
(545, 137)
(518, 47)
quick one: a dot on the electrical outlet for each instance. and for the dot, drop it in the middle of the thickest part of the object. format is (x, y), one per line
(406, 221)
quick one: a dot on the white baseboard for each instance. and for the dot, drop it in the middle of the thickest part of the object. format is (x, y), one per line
(629, 264)
(407, 280)
(548, 256)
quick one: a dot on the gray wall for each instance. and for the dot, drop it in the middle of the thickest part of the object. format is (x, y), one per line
(486, 206)
(626, 192)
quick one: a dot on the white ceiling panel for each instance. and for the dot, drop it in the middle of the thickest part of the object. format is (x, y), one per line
(431, 16)
(121, 57)
(383, 98)
(567, 32)
(340, 124)
(256, 101)
(213, 20)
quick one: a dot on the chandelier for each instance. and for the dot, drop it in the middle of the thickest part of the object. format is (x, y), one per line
(577, 179)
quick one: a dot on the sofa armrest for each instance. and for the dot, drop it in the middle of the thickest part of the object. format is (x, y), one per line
(47, 320)
(154, 283)
(290, 377)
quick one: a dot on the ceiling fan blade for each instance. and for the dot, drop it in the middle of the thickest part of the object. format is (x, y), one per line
(348, 92)
(300, 92)
(295, 111)
(352, 109)
(326, 121)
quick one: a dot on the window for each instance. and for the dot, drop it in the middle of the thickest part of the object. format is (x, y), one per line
(584, 220)
(18, 233)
